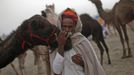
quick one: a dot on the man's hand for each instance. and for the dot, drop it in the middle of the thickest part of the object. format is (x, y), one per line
(77, 59)
(61, 42)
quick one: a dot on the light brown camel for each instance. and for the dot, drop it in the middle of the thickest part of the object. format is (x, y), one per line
(121, 14)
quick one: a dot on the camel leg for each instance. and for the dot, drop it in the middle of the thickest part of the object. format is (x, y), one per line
(107, 50)
(46, 60)
(45, 54)
(122, 41)
(127, 40)
(101, 50)
(35, 56)
(37, 60)
(43, 68)
(14, 68)
(12, 65)
(21, 59)
(39, 65)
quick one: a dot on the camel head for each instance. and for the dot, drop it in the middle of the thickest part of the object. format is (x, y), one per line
(96, 2)
(50, 8)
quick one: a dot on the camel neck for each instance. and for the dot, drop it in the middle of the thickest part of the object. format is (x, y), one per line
(101, 11)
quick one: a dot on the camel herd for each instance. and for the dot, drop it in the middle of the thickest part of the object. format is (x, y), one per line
(119, 16)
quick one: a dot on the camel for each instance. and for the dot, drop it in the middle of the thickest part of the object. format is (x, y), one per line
(32, 32)
(92, 27)
(121, 14)
(39, 51)
(21, 57)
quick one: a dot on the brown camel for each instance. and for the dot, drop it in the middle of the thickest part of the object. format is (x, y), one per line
(21, 57)
(92, 27)
(121, 14)
(32, 32)
(40, 51)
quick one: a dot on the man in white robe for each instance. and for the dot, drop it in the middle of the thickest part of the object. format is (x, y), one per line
(80, 59)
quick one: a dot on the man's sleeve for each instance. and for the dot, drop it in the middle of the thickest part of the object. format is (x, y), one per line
(58, 64)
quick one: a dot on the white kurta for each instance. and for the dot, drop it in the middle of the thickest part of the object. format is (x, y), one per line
(65, 66)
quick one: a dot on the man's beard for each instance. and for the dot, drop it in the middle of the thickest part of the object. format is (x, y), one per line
(68, 44)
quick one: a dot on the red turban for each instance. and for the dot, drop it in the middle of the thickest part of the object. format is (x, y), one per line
(69, 13)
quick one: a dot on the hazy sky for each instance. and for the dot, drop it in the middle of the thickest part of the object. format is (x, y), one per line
(14, 12)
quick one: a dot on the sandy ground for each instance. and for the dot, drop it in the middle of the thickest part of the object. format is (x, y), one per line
(118, 67)
(131, 25)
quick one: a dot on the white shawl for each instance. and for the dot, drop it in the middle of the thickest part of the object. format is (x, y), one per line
(91, 64)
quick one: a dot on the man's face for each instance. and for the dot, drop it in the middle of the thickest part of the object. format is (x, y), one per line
(68, 25)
